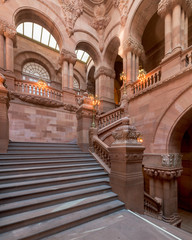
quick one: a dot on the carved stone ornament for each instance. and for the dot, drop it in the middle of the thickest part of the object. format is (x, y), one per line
(105, 71)
(100, 22)
(84, 100)
(9, 30)
(67, 56)
(126, 133)
(43, 101)
(172, 160)
(72, 9)
(123, 8)
(166, 6)
(132, 45)
(166, 174)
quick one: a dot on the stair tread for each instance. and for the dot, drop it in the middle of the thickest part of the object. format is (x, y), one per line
(55, 223)
(52, 188)
(45, 199)
(48, 167)
(27, 183)
(54, 208)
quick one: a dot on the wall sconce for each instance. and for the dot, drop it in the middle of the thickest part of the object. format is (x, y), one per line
(142, 75)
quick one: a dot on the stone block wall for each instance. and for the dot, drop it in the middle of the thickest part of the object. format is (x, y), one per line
(30, 123)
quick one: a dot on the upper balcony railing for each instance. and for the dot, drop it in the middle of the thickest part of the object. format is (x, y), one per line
(31, 88)
(152, 79)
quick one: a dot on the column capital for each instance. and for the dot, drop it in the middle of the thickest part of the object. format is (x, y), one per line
(7, 29)
(10, 32)
(65, 55)
(132, 45)
(105, 71)
(165, 6)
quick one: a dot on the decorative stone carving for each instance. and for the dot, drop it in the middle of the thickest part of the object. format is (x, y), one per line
(165, 174)
(123, 8)
(171, 160)
(105, 71)
(84, 100)
(72, 9)
(100, 22)
(132, 45)
(126, 133)
(166, 6)
(67, 56)
(7, 29)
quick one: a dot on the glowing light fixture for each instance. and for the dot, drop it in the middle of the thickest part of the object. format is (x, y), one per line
(95, 102)
(140, 139)
(123, 78)
(42, 84)
(142, 75)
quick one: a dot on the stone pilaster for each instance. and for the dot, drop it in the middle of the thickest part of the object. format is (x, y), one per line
(104, 78)
(126, 177)
(2, 43)
(4, 121)
(163, 184)
(84, 119)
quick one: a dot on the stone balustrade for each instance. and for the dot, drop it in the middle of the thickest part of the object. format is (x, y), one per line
(152, 206)
(31, 88)
(110, 117)
(186, 59)
(152, 79)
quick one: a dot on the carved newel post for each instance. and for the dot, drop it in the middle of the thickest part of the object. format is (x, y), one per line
(4, 122)
(84, 120)
(126, 155)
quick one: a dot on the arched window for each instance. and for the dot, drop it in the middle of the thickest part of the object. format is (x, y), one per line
(37, 33)
(33, 71)
(76, 85)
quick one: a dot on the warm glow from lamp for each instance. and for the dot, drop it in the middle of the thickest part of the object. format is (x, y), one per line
(141, 77)
(42, 84)
(140, 139)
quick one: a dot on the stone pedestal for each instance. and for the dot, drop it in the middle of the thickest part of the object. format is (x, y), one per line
(4, 122)
(126, 176)
(84, 121)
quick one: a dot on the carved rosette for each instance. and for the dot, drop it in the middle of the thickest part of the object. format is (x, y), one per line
(166, 6)
(122, 5)
(105, 71)
(72, 9)
(172, 160)
(67, 56)
(132, 45)
(166, 174)
(100, 22)
(126, 133)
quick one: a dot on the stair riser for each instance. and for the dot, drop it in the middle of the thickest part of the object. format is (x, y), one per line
(50, 183)
(54, 169)
(49, 193)
(12, 227)
(72, 224)
(45, 158)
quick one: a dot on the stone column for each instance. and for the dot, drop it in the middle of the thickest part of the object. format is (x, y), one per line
(165, 180)
(9, 34)
(133, 67)
(4, 121)
(126, 177)
(2, 42)
(186, 32)
(71, 75)
(65, 76)
(176, 26)
(104, 78)
(84, 120)
(168, 33)
(129, 66)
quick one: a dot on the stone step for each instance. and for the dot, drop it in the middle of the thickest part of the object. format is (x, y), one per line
(39, 144)
(6, 170)
(18, 186)
(41, 202)
(34, 216)
(49, 190)
(46, 152)
(47, 175)
(55, 225)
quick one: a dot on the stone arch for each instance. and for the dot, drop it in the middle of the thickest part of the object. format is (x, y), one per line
(23, 57)
(177, 114)
(111, 51)
(90, 49)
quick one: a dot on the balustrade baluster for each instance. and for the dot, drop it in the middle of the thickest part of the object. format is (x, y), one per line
(152, 80)
(155, 77)
(159, 75)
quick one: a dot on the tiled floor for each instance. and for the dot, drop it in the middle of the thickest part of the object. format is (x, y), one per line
(186, 220)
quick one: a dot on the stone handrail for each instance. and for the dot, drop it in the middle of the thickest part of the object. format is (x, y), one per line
(152, 206)
(110, 117)
(152, 79)
(31, 88)
(186, 59)
(101, 150)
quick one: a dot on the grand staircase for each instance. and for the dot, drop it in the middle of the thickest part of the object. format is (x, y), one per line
(48, 188)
